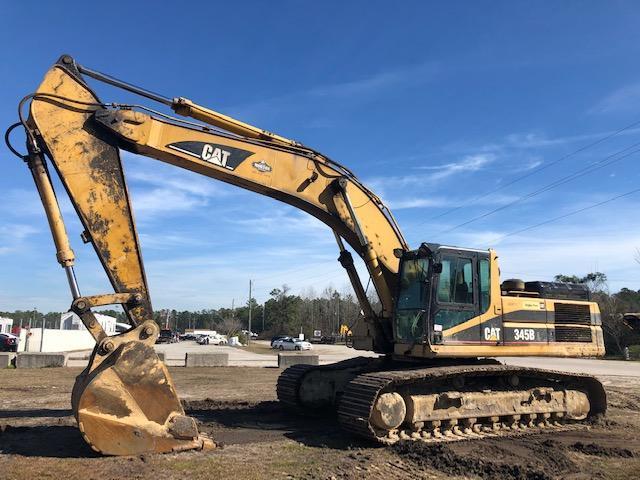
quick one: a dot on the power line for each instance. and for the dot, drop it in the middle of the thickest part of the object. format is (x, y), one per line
(568, 178)
(580, 210)
(533, 172)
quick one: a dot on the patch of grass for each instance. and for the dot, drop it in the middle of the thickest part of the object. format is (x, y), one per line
(614, 468)
(256, 462)
(260, 348)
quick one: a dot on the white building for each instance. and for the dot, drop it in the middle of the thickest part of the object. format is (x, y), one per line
(71, 321)
(6, 324)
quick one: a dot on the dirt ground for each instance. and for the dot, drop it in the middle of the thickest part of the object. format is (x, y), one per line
(237, 406)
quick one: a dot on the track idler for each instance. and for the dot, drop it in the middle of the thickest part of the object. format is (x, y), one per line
(125, 402)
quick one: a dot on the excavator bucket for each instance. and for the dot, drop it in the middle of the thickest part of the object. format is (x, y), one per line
(125, 402)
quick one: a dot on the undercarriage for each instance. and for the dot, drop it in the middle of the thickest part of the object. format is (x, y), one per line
(386, 401)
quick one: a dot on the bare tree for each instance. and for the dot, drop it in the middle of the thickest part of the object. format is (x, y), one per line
(613, 322)
(611, 308)
(230, 326)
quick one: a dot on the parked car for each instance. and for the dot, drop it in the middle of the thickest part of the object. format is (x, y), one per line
(8, 342)
(188, 336)
(278, 337)
(329, 340)
(292, 344)
(212, 340)
(166, 336)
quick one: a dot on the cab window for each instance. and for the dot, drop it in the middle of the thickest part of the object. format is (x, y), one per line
(412, 282)
(485, 285)
(456, 281)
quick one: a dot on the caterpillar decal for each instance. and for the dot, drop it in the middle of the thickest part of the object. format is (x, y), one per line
(221, 155)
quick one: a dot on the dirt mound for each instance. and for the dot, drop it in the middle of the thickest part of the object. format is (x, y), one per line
(600, 451)
(207, 404)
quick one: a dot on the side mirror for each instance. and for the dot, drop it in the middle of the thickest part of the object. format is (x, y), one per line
(437, 267)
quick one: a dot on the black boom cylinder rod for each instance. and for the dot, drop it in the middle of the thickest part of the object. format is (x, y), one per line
(103, 77)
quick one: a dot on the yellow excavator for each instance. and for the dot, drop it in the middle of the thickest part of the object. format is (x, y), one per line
(444, 315)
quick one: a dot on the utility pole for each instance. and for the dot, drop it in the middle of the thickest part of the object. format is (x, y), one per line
(313, 323)
(42, 334)
(250, 305)
(264, 306)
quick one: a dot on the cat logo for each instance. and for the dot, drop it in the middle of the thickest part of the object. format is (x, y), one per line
(214, 155)
(492, 334)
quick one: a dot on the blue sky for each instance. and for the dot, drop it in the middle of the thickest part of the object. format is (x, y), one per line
(431, 104)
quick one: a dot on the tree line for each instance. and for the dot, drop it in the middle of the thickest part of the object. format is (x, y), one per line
(283, 313)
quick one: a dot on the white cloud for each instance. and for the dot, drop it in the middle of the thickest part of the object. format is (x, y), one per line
(21, 202)
(14, 235)
(190, 183)
(413, 202)
(513, 142)
(532, 164)
(164, 201)
(281, 221)
(470, 163)
(160, 240)
(158, 189)
(404, 76)
(624, 99)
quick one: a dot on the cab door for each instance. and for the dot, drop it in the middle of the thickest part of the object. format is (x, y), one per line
(456, 298)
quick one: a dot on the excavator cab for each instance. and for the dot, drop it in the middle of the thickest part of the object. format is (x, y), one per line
(441, 288)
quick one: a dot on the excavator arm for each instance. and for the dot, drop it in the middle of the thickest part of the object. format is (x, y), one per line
(125, 401)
